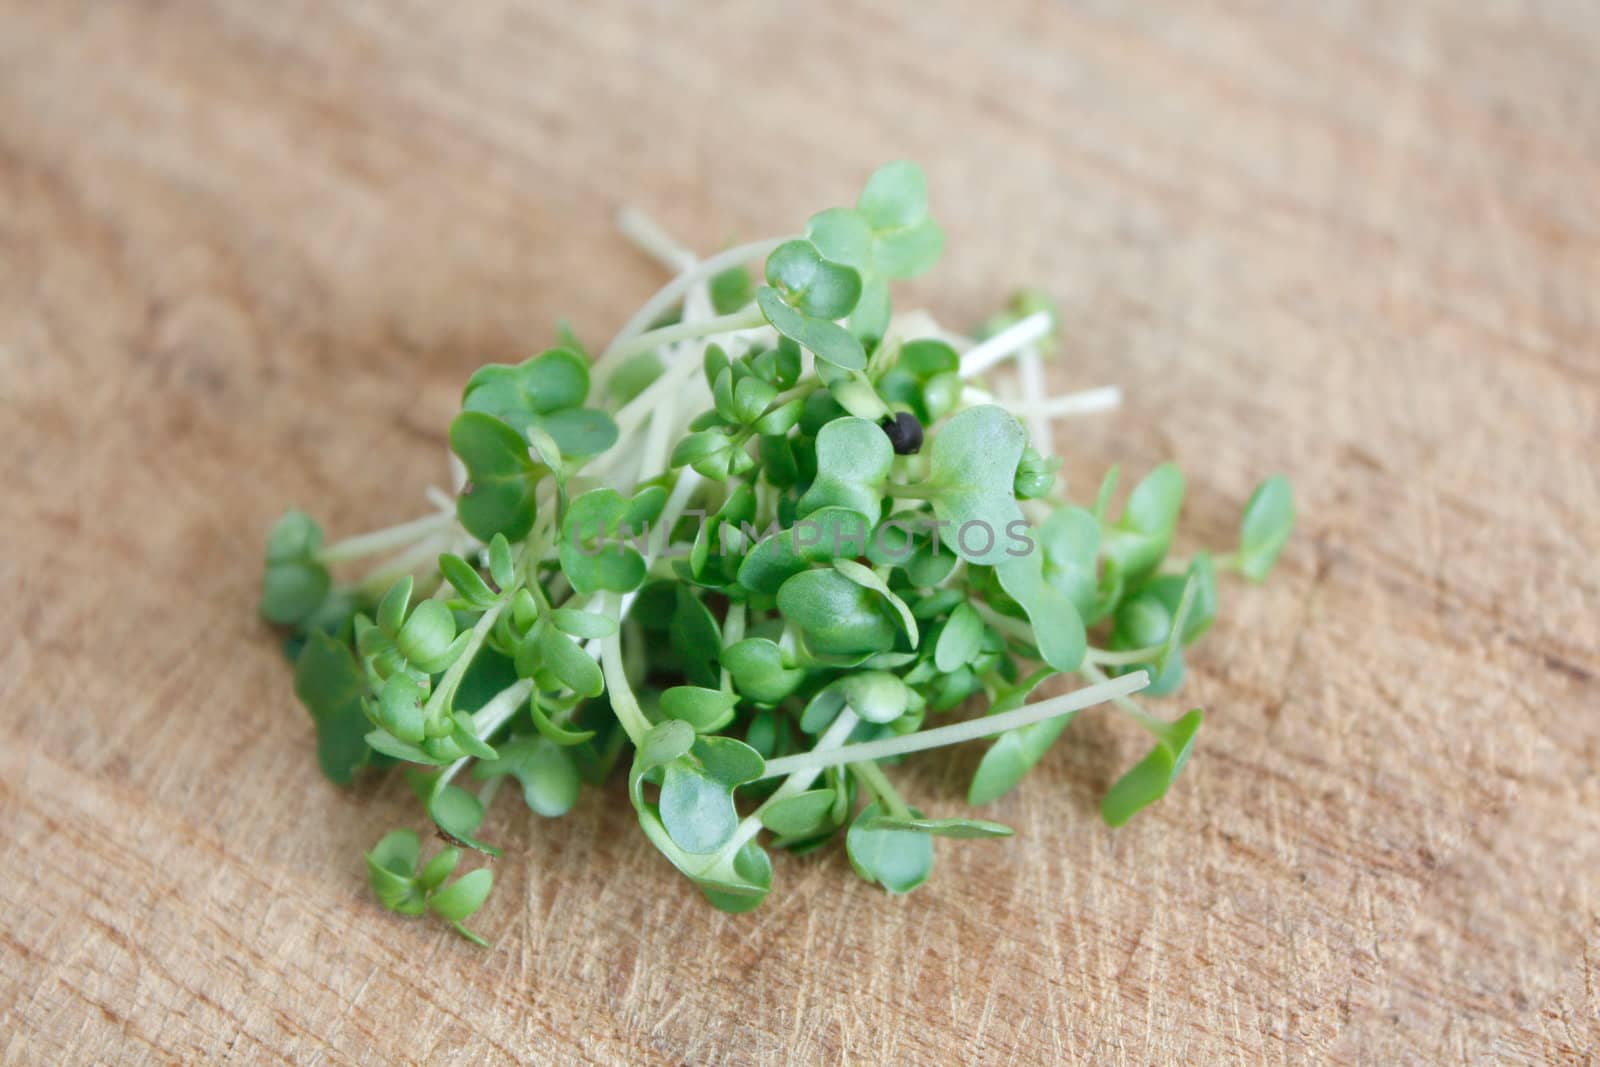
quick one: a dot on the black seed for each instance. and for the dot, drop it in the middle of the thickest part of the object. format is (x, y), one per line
(904, 433)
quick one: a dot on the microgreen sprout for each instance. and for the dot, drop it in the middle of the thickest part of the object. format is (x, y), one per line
(753, 555)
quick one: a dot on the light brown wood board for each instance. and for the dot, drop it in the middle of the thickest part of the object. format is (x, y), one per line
(249, 252)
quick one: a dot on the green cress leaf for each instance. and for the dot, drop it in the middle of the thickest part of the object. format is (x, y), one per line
(502, 567)
(439, 868)
(569, 663)
(595, 550)
(583, 624)
(1138, 541)
(965, 828)
(331, 685)
(1168, 588)
(294, 583)
(1268, 521)
(815, 287)
(826, 340)
(876, 696)
(854, 458)
(464, 896)
(695, 639)
(697, 792)
(1150, 778)
(545, 392)
(549, 777)
(560, 735)
(467, 581)
(391, 871)
(704, 709)
(817, 538)
(898, 860)
(972, 463)
(1070, 543)
(1057, 627)
(427, 637)
(744, 884)
(838, 617)
(731, 290)
(802, 814)
(501, 477)
(400, 708)
(894, 202)
(867, 578)
(457, 813)
(391, 611)
(959, 639)
(1015, 752)
(760, 670)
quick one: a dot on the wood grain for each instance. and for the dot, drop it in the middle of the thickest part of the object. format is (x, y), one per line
(248, 253)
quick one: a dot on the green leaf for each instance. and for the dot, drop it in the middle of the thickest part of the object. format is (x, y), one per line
(898, 860)
(812, 285)
(457, 813)
(583, 624)
(876, 696)
(1268, 521)
(467, 581)
(854, 458)
(1152, 776)
(596, 553)
(427, 637)
(464, 896)
(391, 870)
(1070, 543)
(665, 742)
(696, 639)
(1057, 627)
(1015, 752)
(569, 663)
(959, 639)
(400, 708)
(731, 290)
(549, 777)
(331, 685)
(499, 496)
(439, 868)
(704, 709)
(392, 608)
(972, 463)
(502, 568)
(895, 196)
(294, 582)
(966, 828)
(826, 340)
(868, 579)
(760, 671)
(837, 616)
(560, 735)
(745, 885)
(1139, 540)
(800, 815)
(544, 393)
(697, 792)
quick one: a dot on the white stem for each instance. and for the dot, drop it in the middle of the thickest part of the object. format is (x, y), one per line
(956, 733)
(673, 291)
(382, 540)
(745, 319)
(1005, 344)
(493, 715)
(799, 781)
(645, 232)
(1030, 374)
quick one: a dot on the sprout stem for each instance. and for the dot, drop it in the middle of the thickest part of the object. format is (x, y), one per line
(672, 292)
(645, 232)
(382, 540)
(1005, 344)
(746, 319)
(955, 733)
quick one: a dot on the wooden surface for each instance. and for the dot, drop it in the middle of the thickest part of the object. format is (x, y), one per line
(249, 252)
